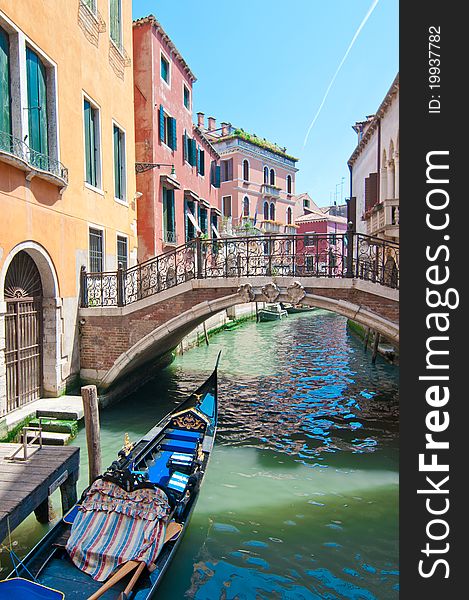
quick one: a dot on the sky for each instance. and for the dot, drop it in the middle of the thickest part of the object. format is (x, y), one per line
(266, 65)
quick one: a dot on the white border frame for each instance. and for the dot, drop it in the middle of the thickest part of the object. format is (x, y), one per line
(97, 107)
(123, 201)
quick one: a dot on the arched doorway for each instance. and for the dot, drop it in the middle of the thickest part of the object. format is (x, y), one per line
(23, 331)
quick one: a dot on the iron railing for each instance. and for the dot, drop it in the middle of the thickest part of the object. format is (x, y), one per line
(313, 255)
(36, 160)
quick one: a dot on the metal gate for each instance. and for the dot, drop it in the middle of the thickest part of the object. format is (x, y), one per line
(23, 324)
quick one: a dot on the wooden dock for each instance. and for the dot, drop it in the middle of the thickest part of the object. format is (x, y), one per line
(25, 486)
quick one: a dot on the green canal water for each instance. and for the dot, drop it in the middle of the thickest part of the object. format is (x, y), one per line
(300, 501)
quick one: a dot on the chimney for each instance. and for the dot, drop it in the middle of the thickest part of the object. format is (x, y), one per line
(225, 129)
(211, 123)
(200, 120)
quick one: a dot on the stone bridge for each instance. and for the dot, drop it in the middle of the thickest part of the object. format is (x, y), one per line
(131, 318)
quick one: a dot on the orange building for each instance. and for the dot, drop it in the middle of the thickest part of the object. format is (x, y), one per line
(67, 179)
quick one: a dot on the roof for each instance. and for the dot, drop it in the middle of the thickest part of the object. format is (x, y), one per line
(374, 120)
(316, 216)
(204, 138)
(254, 139)
(153, 21)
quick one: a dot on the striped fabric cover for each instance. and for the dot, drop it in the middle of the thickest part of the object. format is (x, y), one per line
(114, 526)
(178, 481)
(180, 459)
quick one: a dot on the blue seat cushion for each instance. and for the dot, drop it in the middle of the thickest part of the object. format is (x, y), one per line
(172, 445)
(18, 588)
(178, 482)
(159, 472)
(183, 434)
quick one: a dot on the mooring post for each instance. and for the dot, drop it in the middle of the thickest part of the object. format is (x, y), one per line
(367, 339)
(83, 287)
(375, 347)
(89, 395)
(206, 334)
(68, 492)
(350, 249)
(43, 512)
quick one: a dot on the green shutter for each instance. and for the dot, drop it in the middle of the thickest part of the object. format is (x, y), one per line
(117, 164)
(115, 22)
(5, 117)
(88, 153)
(37, 104)
(161, 123)
(173, 132)
(201, 161)
(192, 152)
(217, 176)
(186, 146)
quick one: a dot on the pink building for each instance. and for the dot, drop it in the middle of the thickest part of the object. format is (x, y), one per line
(323, 245)
(180, 198)
(257, 190)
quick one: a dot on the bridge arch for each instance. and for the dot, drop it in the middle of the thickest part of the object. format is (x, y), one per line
(168, 335)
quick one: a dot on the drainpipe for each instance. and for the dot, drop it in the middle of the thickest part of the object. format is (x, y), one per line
(379, 160)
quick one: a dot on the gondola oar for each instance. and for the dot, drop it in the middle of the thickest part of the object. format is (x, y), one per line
(122, 572)
(130, 586)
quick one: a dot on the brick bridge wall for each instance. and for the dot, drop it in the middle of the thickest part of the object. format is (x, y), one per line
(108, 333)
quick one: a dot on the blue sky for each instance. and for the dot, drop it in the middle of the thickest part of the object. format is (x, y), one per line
(264, 65)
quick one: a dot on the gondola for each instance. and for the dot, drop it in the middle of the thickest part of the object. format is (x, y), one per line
(293, 309)
(271, 312)
(135, 514)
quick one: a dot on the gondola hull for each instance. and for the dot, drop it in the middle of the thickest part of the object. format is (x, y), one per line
(49, 563)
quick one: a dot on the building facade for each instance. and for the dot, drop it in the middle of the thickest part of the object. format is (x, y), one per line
(374, 169)
(257, 189)
(179, 199)
(67, 179)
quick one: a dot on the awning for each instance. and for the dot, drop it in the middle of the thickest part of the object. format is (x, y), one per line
(191, 194)
(169, 181)
(216, 211)
(204, 203)
(193, 221)
(215, 231)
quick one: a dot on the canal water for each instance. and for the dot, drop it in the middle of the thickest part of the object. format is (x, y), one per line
(300, 501)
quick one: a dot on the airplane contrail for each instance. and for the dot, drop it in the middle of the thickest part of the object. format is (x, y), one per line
(357, 33)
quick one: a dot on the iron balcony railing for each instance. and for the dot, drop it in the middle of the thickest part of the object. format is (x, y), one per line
(36, 160)
(348, 255)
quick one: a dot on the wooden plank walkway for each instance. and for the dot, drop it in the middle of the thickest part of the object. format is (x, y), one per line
(26, 486)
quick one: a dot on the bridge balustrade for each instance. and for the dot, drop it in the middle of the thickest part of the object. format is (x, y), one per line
(350, 255)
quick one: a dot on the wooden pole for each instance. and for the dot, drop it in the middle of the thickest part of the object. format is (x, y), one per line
(375, 347)
(257, 313)
(181, 348)
(89, 395)
(367, 339)
(205, 334)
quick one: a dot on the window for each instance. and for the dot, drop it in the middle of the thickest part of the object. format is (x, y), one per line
(203, 219)
(215, 174)
(200, 161)
(169, 221)
(227, 170)
(37, 105)
(92, 144)
(306, 203)
(245, 170)
(5, 98)
(272, 177)
(119, 164)
(91, 4)
(115, 19)
(266, 211)
(190, 228)
(226, 206)
(122, 251)
(168, 129)
(289, 187)
(289, 216)
(165, 69)
(96, 251)
(266, 175)
(272, 212)
(246, 207)
(187, 97)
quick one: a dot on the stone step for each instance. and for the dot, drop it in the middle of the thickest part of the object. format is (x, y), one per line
(56, 425)
(50, 438)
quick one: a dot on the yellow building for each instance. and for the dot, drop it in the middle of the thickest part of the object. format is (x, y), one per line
(67, 179)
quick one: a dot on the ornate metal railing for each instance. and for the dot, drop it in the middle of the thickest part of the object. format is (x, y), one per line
(36, 160)
(313, 255)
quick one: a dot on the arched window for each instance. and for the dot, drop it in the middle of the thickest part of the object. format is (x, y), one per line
(246, 207)
(289, 216)
(245, 170)
(288, 184)
(266, 175)
(272, 177)
(272, 212)
(266, 211)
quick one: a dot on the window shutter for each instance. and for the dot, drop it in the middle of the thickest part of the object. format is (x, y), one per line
(88, 150)
(173, 138)
(5, 120)
(201, 161)
(192, 152)
(229, 170)
(185, 151)
(117, 164)
(217, 176)
(197, 157)
(161, 123)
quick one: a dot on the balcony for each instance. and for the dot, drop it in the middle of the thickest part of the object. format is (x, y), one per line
(270, 227)
(169, 238)
(291, 229)
(271, 191)
(383, 218)
(15, 152)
